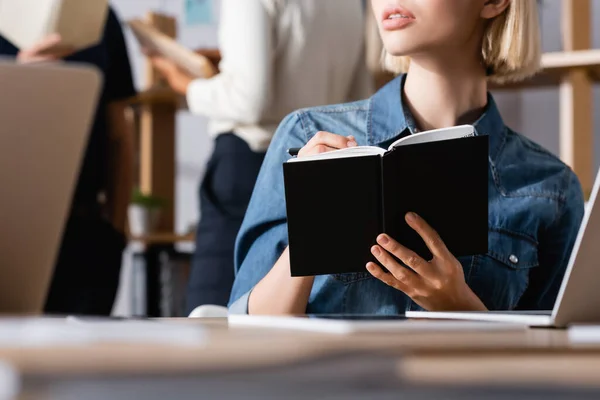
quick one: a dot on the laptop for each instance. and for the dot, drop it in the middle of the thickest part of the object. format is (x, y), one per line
(46, 113)
(578, 300)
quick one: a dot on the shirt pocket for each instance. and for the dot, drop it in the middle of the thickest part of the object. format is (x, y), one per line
(501, 276)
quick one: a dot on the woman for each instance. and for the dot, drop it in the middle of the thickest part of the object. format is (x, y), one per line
(535, 201)
(278, 56)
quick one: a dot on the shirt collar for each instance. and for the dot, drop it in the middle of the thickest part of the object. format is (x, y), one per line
(389, 119)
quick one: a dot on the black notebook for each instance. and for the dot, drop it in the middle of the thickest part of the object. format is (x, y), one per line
(339, 202)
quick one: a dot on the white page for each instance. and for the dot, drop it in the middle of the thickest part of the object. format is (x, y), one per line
(359, 151)
(437, 135)
(455, 132)
(195, 64)
(38, 332)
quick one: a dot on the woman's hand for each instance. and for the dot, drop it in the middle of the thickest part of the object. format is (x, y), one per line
(175, 77)
(213, 55)
(50, 48)
(323, 142)
(436, 285)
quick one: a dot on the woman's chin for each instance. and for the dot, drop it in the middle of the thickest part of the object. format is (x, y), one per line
(403, 48)
(403, 52)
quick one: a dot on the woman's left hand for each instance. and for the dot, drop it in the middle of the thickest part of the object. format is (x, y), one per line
(436, 285)
(175, 77)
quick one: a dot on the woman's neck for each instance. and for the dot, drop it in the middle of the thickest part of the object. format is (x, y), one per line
(446, 96)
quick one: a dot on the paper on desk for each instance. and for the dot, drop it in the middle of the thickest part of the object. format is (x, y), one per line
(584, 334)
(68, 332)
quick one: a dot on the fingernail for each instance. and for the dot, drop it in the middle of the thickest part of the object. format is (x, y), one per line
(375, 250)
(411, 217)
(383, 239)
(352, 143)
(369, 267)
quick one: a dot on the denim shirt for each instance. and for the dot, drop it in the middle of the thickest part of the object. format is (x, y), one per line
(535, 209)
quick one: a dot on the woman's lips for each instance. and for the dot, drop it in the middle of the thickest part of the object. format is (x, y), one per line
(395, 18)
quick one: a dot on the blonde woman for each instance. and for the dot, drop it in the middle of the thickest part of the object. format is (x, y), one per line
(447, 52)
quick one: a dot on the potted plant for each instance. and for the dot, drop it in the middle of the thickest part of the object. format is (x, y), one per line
(144, 213)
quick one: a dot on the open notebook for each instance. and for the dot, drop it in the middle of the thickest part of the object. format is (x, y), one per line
(339, 202)
(194, 64)
(422, 137)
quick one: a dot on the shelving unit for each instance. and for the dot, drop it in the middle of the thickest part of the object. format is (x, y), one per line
(155, 108)
(573, 71)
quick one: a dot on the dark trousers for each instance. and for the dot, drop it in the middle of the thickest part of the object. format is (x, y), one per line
(224, 196)
(86, 276)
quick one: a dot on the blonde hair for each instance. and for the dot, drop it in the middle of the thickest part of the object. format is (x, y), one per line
(511, 47)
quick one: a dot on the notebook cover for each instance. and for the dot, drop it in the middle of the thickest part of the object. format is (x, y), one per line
(334, 214)
(447, 184)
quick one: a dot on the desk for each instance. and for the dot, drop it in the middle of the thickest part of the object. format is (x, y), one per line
(531, 357)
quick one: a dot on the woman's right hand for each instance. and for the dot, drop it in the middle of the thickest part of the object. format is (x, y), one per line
(323, 142)
(51, 48)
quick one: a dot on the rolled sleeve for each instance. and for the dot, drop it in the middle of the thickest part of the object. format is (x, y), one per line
(240, 306)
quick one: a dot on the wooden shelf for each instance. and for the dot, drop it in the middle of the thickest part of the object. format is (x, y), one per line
(555, 65)
(157, 95)
(572, 59)
(163, 238)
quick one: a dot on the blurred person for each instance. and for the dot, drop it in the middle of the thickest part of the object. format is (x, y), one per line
(446, 52)
(277, 56)
(87, 271)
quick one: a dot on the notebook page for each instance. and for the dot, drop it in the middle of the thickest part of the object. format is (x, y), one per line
(359, 151)
(455, 132)
(195, 64)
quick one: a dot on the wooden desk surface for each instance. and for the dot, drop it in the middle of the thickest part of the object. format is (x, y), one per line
(534, 355)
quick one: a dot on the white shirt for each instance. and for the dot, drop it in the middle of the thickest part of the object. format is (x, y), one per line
(279, 56)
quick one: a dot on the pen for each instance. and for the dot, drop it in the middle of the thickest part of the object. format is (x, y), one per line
(293, 151)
